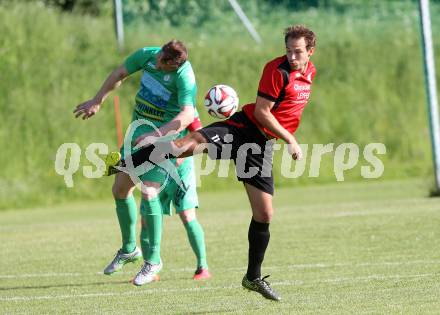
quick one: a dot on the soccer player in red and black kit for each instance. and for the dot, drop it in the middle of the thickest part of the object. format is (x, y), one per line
(283, 92)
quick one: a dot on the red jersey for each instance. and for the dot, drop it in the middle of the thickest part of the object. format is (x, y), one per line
(289, 99)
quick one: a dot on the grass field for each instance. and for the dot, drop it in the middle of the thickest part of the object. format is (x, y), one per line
(367, 248)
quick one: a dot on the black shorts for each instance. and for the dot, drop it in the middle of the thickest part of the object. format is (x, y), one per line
(238, 139)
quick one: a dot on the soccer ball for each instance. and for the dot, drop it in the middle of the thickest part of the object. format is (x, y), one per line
(221, 101)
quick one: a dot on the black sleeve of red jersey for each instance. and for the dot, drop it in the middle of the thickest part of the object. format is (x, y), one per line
(271, 83)
(266, 96)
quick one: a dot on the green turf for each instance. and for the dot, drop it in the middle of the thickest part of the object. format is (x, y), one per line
(368, 248)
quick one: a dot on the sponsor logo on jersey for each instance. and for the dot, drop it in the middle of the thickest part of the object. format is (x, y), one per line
(303, 91)
(303, 96)
(300, 87)
(148, 110)
(153, 91)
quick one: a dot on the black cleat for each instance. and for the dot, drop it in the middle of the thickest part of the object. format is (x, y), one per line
(261, 286)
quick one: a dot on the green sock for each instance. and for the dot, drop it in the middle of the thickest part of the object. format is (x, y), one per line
(196, 238)
(127, 216)
(151, 234)
(145, 241)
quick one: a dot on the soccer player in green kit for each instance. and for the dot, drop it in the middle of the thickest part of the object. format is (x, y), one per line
(166, 99)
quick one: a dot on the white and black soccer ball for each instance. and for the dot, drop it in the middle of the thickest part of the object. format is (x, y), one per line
(221, 101)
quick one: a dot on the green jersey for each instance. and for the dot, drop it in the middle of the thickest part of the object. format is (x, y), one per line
(160, 98)
(161, 94)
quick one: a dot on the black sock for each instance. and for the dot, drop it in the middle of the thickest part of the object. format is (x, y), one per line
(143, 154)
(258, 237)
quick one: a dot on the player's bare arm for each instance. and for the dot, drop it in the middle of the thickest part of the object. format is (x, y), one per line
(194, 126)
(267, 120)
(92, 106)
(176, 125)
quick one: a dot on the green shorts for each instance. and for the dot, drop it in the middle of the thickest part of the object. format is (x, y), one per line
(182, 195)
(152, 173)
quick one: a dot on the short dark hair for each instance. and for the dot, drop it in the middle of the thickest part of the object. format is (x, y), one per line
(298, 31)
(174, 51)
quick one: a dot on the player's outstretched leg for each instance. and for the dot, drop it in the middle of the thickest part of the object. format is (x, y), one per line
(190, 143)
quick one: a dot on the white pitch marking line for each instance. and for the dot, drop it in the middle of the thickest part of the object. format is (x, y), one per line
(150, 291)
(296, 266)
(378, 277)
(68, 296)
(43, 275)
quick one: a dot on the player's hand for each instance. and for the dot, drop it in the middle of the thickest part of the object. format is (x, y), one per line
(295, 151)
(87, 109)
